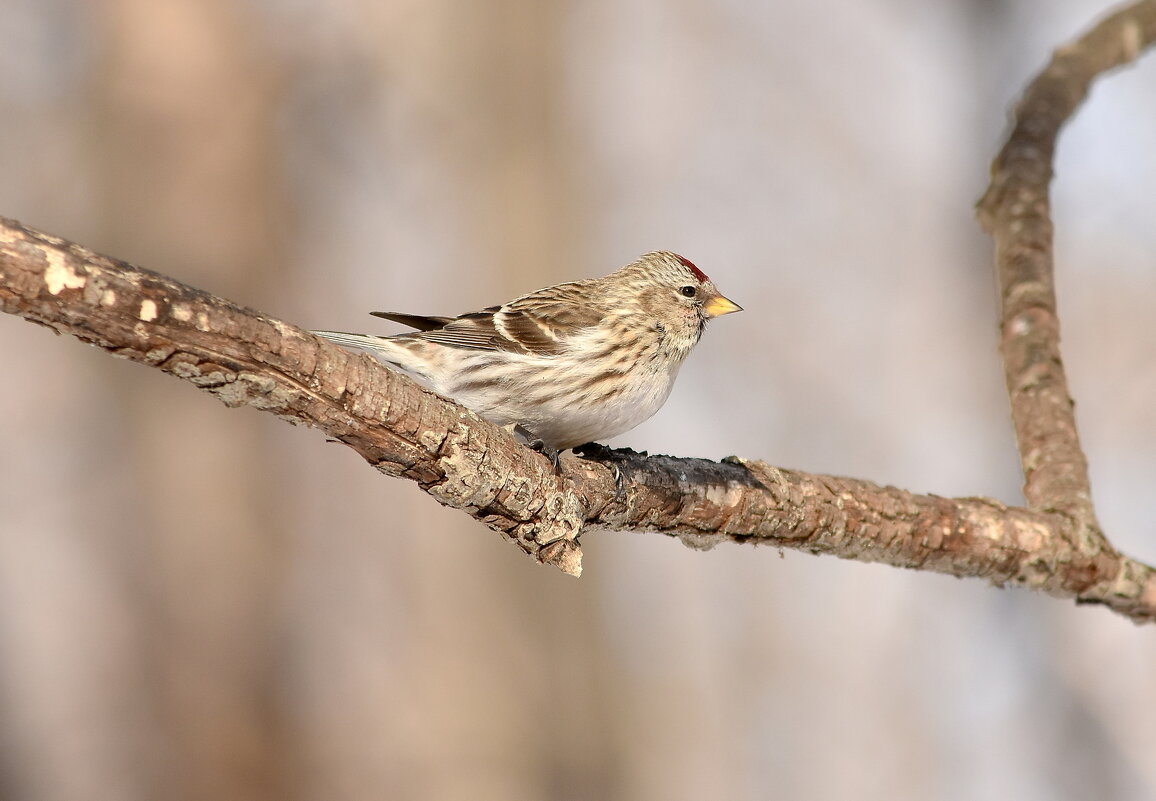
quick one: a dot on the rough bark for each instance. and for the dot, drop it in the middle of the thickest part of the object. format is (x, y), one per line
(1016, 211)
(246, 358)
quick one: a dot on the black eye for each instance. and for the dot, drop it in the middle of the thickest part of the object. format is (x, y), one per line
(689, 291)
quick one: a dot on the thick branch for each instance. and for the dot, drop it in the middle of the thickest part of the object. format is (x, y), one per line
(245, 358)
(1016, 212)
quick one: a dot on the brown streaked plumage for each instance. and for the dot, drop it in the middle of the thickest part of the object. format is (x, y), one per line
(568, 364)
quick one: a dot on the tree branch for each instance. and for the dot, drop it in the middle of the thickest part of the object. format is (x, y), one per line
(1016, 211)
(245, 358)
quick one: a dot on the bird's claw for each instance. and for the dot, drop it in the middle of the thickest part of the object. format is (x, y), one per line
(594, 450)
(606, 455)
(554, 456)
(619, 484)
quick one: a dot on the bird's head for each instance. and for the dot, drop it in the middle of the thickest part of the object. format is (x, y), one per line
(675, 283)
(669, 293)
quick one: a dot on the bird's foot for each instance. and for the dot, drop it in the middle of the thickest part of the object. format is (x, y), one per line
(537, 444)
(594, 450)
(598, 452)
(553, 455)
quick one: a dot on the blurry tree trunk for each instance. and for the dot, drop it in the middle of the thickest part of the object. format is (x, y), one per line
(489, 76)
(181, 121)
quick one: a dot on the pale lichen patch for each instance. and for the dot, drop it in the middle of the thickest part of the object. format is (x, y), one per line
(148, 310)
(213, 378)
(185, 370)
(205, 375)
(263, 392)
(465, 483)
(700, 541)
(232, 394)
(107, 298)
(725, 496)
(566, 555)
(516, 493)
(59, 275)
(1031, 536)
(181, 313)
(430, 440)
(202, 321)
(559, 519)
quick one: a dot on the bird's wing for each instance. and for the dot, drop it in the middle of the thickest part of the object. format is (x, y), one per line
(539, 323)
(418, 321)
(544, 322)
(474, 331)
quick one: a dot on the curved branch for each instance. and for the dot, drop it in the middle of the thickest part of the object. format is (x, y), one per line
(1015, 210)
(246, 358)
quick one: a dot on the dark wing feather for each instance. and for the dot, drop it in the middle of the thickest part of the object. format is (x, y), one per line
(474, 331)
(540, 323)
(418, 321)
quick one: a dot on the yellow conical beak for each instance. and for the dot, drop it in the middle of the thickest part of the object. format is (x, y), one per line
(718, 306)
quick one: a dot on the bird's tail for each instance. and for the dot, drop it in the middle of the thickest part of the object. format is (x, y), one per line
(383, 348)
(363, 341)
(393, 350)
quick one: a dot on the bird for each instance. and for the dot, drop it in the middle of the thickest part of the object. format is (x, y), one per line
(566, 365)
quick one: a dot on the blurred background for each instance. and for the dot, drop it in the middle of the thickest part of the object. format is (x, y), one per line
(201, 603)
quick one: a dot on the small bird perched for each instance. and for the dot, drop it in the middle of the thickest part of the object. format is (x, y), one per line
(568, 364)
